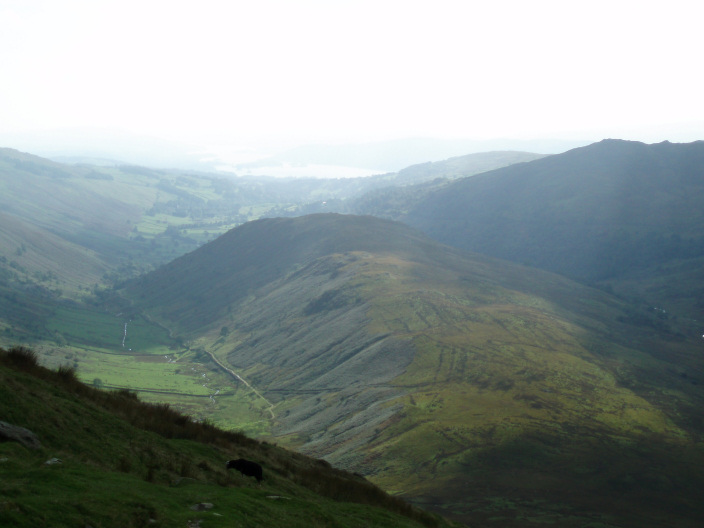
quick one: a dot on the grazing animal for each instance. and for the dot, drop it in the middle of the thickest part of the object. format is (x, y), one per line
(246, 467)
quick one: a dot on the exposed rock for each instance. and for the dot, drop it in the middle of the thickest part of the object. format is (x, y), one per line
(14, 433)
(182, 481)
(53, 461)
(202, 506)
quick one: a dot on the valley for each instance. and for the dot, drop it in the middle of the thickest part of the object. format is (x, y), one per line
(468, 382)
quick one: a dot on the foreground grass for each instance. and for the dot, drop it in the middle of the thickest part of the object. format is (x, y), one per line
(128, 463)
(72, 494)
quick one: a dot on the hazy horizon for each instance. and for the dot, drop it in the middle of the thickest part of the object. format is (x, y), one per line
(249, 78)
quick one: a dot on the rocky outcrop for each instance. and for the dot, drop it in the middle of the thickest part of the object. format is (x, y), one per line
(14, 433)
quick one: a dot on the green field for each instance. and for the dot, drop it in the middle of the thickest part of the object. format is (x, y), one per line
(86, 327)
(149, 362)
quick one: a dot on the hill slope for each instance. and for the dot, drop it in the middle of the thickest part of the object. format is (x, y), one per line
(599, 212)
(478, 387)
(409, 186)
(125, 463)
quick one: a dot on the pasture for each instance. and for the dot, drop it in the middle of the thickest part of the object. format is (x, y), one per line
(82, 327)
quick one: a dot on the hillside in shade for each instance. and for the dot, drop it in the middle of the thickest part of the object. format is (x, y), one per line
(489, 391)
(617, 212)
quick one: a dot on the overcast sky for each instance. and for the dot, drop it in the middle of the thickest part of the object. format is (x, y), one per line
(355, 70)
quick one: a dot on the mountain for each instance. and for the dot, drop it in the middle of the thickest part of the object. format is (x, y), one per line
(488, 391)
(462, 166)
(85, 457)
(598, 213)
(396, 193)
(589, 213)
(32, 250)
(100, 146)
(69, 231)
(87, 225)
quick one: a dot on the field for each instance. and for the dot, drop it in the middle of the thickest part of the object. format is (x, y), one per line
(118, 350)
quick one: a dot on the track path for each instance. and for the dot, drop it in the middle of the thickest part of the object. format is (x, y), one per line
(234, 374)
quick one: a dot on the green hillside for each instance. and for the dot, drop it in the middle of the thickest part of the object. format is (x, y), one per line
(125, 463)
(494, 393)
(34, 254)
(73, 231)
(605, 212)
(75, 227)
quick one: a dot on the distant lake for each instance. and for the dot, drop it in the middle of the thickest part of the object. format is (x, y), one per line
(289, 170)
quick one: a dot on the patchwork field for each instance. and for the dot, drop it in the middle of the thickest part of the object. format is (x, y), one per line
(119, 350)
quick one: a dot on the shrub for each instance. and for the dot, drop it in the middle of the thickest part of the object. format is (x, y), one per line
(21, 358)
(67, 373)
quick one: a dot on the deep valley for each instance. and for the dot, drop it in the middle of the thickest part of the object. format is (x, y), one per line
(504, 345)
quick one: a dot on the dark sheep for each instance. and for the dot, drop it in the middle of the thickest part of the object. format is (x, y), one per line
(246, 467)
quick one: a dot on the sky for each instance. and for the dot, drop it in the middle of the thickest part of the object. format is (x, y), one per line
(312, 71)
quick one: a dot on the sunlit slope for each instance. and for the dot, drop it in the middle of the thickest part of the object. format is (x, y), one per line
(197, 290)
(449, 377)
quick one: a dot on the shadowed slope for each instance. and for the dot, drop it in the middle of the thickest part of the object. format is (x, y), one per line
(594, 212)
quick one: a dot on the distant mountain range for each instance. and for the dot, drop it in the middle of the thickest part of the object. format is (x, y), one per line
(395, 155)
(116, 147)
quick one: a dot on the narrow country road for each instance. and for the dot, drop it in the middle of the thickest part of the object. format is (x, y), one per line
(239, 378)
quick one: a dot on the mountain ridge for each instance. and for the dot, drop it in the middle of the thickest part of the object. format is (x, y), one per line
(574, 198)
(259, 264)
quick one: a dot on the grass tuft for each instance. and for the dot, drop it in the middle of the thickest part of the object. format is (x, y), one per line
(22, 358)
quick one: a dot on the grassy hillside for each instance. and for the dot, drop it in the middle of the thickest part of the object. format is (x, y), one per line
(489, 391)
(78, 226)
(597, 213)
(198, 289)
(71, 231)
(127, 463)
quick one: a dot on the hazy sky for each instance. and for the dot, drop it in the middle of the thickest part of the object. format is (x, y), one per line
(335, 70)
